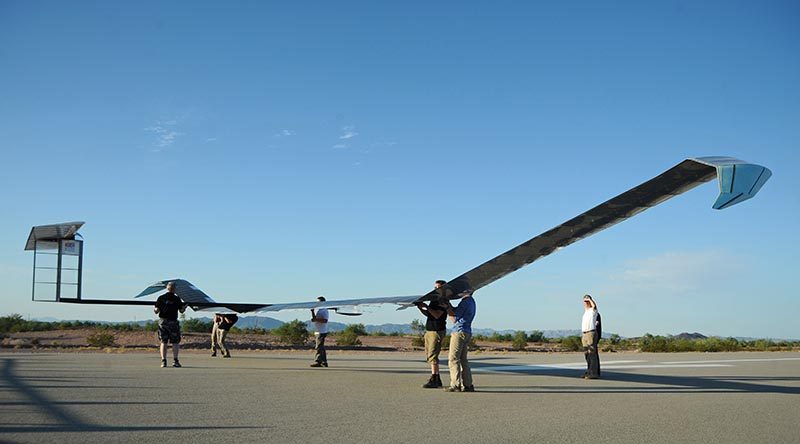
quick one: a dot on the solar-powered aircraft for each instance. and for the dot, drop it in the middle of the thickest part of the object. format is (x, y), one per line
(738, 181)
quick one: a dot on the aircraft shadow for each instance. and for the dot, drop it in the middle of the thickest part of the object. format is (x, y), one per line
(66, 421)
(632, 382)
(648, 384)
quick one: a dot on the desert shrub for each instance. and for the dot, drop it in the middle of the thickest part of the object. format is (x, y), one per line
(520, 341)
(197, 326)
(500, 337)
(358, 329)
(101, 339)
(294, 332)
(8, 324)
(760, 344)
(662, 344)
(15, 323)
(650, 343)
(572, 343)
(151, 326)
(347, 338)
(536, 336)
(418, 329)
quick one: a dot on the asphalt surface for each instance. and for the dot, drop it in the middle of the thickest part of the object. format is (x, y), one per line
(376, 397)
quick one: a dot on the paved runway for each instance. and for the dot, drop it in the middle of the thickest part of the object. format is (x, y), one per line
(376, 397)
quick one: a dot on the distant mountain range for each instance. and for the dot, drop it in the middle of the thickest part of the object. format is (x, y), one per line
(269, 323)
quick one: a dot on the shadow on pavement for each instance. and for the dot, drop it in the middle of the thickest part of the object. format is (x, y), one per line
(66, 421)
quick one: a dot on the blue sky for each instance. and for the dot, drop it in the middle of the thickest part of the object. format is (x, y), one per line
(273, 152)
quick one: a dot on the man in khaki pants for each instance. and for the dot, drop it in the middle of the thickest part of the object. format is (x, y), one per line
(590, 326)
(222, 324)
(462, 316)
(435, 329)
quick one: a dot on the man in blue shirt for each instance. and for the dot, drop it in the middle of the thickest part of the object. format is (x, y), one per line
(462, 316)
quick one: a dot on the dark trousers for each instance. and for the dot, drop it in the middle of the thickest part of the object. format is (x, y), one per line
(590, 340)
(319, 348)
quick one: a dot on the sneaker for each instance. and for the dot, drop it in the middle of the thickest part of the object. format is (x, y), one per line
(452, 389)
(227, 355)
(316, 364)
(469, 388)
(325, 364)
(163, 363)
(438, 381)
(175, 364)
(431, 383)
(592, 377)
(213, 354)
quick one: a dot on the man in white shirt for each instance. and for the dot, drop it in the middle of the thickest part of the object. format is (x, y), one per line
(320, 320)
(590, 326)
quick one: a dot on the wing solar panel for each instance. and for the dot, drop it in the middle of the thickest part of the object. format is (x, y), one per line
(739, 181)
(51, 233)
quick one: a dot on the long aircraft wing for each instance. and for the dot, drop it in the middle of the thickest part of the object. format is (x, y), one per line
(738, 181)
(200, 301)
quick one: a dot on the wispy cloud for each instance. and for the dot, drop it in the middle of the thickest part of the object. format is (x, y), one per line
(165, 132)
(348, 132)
(340, 146)
(285, 133)
(211, 139)
(679, 271)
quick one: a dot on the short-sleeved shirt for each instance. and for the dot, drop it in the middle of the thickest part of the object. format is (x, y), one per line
(464, 314)
(589, 320)
(433, 324)
(322, 327)
(168, 305)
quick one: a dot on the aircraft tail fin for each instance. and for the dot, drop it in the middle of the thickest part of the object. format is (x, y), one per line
(738, 180)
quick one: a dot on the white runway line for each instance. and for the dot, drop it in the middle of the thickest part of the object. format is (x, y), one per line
(735, 360)
(609, 365)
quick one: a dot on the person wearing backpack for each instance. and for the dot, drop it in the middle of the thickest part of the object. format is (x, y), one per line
(591, 327)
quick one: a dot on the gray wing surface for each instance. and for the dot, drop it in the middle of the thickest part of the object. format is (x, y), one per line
(738, 181)
(403, 301)
(196, 298)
